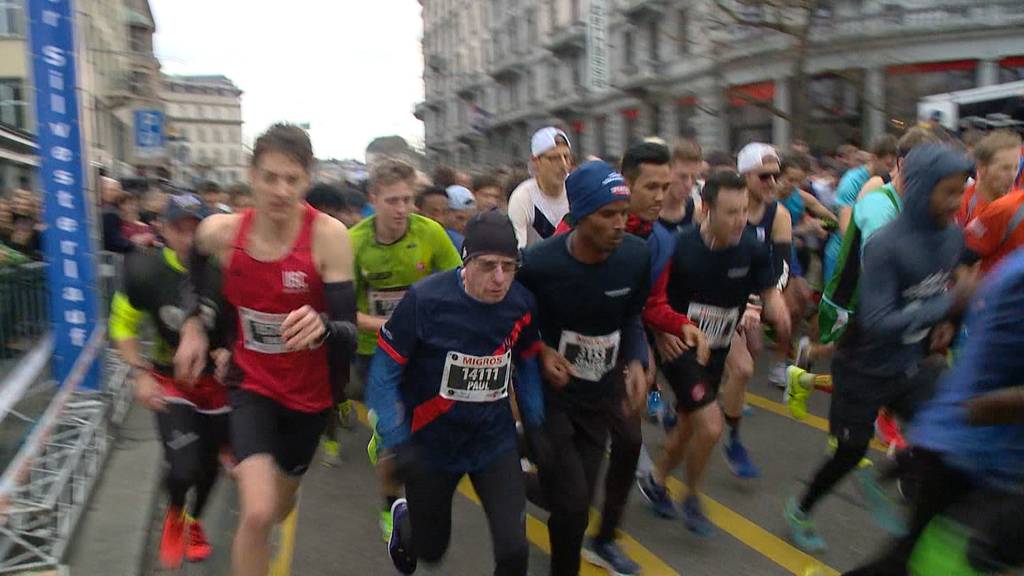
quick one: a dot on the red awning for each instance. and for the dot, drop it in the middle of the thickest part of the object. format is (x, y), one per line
(1012, 62)
(926, 67)
(747, 93)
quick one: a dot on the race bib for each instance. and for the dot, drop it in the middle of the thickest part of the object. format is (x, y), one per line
(475, 378)
(261, 331)
(591, 356)
(384, 302)
(717, 324)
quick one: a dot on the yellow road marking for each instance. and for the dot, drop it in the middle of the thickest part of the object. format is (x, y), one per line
(765, 543)
(537, 531)
(811, 420)
(281, 563)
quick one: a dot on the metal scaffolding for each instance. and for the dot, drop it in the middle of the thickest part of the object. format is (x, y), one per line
(47, 486)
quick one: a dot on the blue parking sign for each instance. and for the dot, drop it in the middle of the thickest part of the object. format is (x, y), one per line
(149, 133)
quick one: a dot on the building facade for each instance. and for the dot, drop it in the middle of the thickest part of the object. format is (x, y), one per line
(496, 70)
(204, 116)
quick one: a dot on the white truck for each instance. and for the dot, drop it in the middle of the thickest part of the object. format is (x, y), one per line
(987, 107)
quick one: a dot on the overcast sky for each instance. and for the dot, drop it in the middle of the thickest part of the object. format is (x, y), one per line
(351, 68)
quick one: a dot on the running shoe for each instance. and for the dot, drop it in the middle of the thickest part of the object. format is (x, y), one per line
(385, 524)
(695, 519)
(668, 418)
(739, 460)
(833, 445)
(172, 542)
(777, 374)
(371, 448)
(796, 393)
(198, 548)
(345, 413)
(609, 556)
(883, 509)
(654, 404)
(803, 353)
(802, 529)
(888, 431)
(400, 543)
(657, 496)
(330, 456)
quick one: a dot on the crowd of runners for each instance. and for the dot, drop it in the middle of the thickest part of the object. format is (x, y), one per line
(518, 331)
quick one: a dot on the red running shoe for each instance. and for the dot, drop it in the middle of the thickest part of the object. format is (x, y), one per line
(198, 548)
(172, 543)
(889, 433)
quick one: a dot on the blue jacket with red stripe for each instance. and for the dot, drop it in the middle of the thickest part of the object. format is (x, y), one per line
(437, 376)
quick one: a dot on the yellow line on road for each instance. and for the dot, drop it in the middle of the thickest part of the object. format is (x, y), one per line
(281, 563)
(537, 531)
(765, 543)
(811, 420)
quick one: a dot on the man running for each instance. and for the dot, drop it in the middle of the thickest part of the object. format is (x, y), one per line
(538, 205)
(591, 285)
(287, 271)
(192, 420)
(881, 359)
(439, 384)
(393, 250)
(996, 158)
(714, 270)
(681, 207)
(461, 207)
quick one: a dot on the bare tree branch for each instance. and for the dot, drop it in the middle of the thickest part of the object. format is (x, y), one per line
(737, 18)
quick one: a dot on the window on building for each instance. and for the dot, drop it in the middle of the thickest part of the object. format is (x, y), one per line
(531, 86)
(630, 126)
(554, 83)
(654, 41)
(655, 120)
(531, 27)
(684, 119)
(139, 82)
(12, 103)
(552, 15)
(601, 136)
(575, 14)
(577, 72)
(236, 157)
(137, 40)
(12, 18)
(627, 48)
(683, 32)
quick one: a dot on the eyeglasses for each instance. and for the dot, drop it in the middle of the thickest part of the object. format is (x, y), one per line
(564, 158)
(769, 176)
(491, 266)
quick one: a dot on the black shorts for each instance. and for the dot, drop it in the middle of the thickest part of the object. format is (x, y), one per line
(260, 425)
(695, 386)
(857, 397)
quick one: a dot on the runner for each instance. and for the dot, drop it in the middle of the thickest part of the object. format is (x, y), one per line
(591, 285)
(192, 420)
(393, 250)
(873, 210)
(759, 165)
(996, 157)
(539, 204)
(488, 194)
(461, 207)
(681, 207)
(957, 459)
(997, 231)
(881, 359)
(287, 271)
(439, 384)
(714, 270)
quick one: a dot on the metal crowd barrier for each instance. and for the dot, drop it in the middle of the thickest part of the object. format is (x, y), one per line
(24, 317)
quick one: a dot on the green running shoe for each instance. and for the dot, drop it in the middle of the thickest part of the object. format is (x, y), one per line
(802, 529)
(796, 393)
(345, 413)
(385, 525)
(330, 457)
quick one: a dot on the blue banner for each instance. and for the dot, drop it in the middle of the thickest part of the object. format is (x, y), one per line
(68, 244)
(149, 133)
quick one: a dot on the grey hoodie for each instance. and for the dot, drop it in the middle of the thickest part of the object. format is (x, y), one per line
(906, 270)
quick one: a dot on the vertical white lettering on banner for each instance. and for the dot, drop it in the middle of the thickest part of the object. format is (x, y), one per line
(77, 336)
(66, 200)
(70, 269)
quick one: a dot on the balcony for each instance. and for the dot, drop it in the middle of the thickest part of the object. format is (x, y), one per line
(466, 83)
(507, 66)
(644, 9)
(569, 40)
(420, 111)
(568, 102)
(639, 77)
(897, 19)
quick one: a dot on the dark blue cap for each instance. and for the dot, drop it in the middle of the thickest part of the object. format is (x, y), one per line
(593, 185)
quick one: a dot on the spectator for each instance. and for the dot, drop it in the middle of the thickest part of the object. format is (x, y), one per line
(110, 196)
(444, 176)
(488, 194)
(133, 229)
(25, 236)
(152, 205)
(718, 159)
(239, 197)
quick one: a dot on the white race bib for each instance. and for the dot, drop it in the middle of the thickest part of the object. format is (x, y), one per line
(475, 378)
(591, 356)
(261, 331)
(717, 324)
(384, 302)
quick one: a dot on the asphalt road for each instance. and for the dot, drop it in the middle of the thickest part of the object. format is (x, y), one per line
(336, 530)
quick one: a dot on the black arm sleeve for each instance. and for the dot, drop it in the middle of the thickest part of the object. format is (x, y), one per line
(202, 290)
(781, 253)
(340, 319)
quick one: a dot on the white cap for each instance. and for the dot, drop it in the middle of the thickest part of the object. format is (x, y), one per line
(752, 157)
(460, 198)
(546, 139)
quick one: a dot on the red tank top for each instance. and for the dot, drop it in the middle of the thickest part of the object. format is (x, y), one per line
(263, 294)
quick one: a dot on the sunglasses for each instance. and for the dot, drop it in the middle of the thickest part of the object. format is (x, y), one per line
(769, 176)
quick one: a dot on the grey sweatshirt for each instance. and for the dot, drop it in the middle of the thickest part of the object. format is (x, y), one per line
(906, 271)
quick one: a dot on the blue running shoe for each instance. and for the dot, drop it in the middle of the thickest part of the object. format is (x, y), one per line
(885, 512)
(400, 543)
(654, 404)
(609, 556)
(802, 529)
(738, 459)
(657, 495)
(695, 519)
